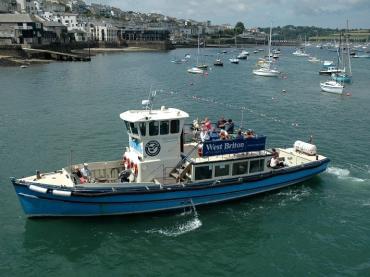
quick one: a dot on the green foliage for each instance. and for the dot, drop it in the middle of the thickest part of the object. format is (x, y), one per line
(239, 28)
(290, 32)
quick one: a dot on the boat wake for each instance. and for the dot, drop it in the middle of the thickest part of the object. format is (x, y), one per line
(343, 174)
(180, 228)
(294, 195)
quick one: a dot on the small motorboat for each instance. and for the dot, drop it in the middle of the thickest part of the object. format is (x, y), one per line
(330, 70)
(332, 87)
(243, 55)
(218, 62)
(234, 60)
(313, 60)
(195, 70)
(202, 66)
(266, 72)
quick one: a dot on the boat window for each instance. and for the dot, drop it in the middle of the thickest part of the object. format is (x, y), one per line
(203, 172)
(175, 126)
(153, 128)
(165, 127)
(127, 126)
(257, 166)
(142, 126)
(134, 128)
(240, 168)
(222, 170)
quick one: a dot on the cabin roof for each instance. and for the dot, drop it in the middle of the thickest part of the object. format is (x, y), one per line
(153, 115)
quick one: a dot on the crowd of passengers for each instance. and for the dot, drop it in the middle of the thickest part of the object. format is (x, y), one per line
(223, 130)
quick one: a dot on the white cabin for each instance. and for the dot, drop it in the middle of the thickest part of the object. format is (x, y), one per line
(154, 141)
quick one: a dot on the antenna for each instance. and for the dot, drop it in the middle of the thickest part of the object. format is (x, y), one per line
(148, 103)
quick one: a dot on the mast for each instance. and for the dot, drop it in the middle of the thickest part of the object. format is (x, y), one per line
(270, 44)
(348, 52)
(198, 51)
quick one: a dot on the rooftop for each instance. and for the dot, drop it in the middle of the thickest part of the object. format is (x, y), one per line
(146, 115)
(15, 18)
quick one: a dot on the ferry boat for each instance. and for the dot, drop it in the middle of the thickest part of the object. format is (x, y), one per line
(160, 171)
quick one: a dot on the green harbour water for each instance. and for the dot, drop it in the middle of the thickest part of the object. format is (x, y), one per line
(320, 227)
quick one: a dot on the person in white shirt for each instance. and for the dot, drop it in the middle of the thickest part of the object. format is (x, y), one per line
(204, 135)
(85, 171)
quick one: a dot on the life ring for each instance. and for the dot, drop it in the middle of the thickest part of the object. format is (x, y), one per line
(200, 151)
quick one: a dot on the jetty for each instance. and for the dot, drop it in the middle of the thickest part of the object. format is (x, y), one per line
(54, 55)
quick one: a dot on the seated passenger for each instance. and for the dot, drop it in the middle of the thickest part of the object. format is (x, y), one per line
(239, 135)
(204, 135)
(275, 161)
(207, 123)
(224, 135)
(229, 126)
(85, 171)
(221, 123)
(214, 135)
(249, 134)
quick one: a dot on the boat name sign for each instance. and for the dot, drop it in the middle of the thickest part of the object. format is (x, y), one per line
(211, 148)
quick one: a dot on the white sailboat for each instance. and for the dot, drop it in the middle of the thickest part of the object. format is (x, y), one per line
(332, 87)
(266, 70)
(196, 69)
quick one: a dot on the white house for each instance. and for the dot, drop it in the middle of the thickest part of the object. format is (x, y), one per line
(104, 32)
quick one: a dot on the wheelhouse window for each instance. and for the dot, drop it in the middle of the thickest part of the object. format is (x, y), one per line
(142, 126)
(128, 127)
(222, 170)
(203, 172)
(257, 166)
(240, 168)
(175, 126)
(153, 128)
(134, 128)
(165, 127)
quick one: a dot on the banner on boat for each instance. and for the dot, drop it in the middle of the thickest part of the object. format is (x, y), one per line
(222, 147)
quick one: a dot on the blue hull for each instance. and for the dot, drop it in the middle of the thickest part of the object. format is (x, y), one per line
(342, 79)
(47, 204)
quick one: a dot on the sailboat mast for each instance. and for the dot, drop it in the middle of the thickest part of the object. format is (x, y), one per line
(198, 50)
(270, 42)
(348, 52)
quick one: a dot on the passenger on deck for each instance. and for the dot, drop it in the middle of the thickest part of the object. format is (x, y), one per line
(275, 161)
(213, 135)
(239, 135)
(207, 123)
(224, 135)
(229, 126)
(249, 134)
(85, 171)
(204, 135)
(77, 172)
(221, 123)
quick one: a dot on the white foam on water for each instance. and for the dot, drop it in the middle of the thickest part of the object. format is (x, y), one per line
(179, 229)
(339, 172)
(343, 174)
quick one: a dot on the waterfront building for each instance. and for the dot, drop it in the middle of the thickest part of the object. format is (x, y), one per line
(150, 34)
(104, 32)
(26, 6)
(7, 6)
(58, 28)
(20, 29)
